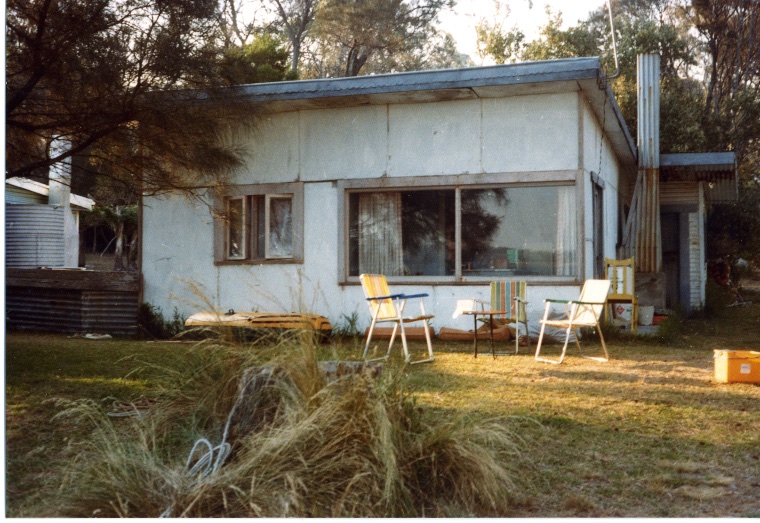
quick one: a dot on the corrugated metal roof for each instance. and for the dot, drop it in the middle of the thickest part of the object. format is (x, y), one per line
(717, 169)
(77, 202)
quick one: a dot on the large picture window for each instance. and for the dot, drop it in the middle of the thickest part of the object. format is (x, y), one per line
(260, 224)
(464, 233)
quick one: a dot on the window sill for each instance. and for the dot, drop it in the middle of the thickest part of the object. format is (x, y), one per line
(556, 281)
(260, 261)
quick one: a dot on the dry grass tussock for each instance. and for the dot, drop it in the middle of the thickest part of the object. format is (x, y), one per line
(300, 445)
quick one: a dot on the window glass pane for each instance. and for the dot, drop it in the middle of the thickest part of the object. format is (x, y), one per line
(236, 228)
(280, 227)
(402, 233)
(519, 231)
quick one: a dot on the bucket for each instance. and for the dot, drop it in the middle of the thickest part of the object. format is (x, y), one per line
(646, 315)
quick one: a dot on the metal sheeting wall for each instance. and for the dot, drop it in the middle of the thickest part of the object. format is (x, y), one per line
(34, 236)
(72, 311)
(72, 301)
(679, 193)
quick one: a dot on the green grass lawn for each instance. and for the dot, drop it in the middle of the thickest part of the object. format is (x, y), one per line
(648, 434)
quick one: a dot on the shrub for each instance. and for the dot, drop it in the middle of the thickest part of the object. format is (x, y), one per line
(348, 327)
(152, 323)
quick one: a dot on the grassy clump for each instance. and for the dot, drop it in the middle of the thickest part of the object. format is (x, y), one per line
(301, 446)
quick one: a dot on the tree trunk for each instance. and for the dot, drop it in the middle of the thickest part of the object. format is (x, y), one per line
(132, 253)
(118, 262)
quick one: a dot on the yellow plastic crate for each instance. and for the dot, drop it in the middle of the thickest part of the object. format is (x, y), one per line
(737, 366)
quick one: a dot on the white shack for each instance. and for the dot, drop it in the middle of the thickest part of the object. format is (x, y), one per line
(442, 180)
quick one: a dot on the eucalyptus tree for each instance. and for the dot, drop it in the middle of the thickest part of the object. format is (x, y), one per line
(294, 18)
(350, 34)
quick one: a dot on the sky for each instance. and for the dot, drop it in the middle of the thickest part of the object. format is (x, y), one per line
(467, 13)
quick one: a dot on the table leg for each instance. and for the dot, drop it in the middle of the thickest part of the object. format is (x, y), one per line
(490, 335)
(475, 332)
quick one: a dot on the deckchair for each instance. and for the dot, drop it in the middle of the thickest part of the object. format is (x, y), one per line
(622, 290)
(507, 305)
(584, 312)
(385, 307)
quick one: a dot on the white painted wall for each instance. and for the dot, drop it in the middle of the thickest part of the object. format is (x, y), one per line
(598, 157)
(697, 264)
(531, 134)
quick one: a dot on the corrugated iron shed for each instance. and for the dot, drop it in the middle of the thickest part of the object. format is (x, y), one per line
(718, 169)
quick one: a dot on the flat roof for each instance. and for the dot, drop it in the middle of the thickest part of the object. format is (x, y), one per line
(540, 77)
(718, 164)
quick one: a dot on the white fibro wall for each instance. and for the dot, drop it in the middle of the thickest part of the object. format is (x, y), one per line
(532, 136)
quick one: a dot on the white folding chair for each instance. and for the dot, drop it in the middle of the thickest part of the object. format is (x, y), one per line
(583, 312)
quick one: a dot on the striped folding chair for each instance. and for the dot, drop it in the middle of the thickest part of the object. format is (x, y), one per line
(510, 296)
(389, 308)
(507, 305)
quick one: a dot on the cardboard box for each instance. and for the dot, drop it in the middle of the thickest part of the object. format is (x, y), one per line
(737, 366)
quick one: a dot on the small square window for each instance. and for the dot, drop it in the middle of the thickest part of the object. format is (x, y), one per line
(263, 225)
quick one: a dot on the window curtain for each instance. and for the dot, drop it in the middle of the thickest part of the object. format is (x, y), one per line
(565, 264)
(280, 227)
(380, 245)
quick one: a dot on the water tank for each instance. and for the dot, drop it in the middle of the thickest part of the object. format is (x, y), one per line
(34, 236)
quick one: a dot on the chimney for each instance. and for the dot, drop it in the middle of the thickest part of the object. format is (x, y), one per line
(59, 194)
(59, 177)
(648, 237)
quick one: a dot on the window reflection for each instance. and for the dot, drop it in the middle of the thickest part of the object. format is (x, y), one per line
(504, 231)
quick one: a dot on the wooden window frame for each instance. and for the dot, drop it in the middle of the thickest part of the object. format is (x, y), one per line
(249, 194)
(457, 182)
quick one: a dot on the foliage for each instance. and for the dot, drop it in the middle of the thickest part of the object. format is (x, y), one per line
(348, 327)
(555, 43)
(301, 445)
(732, 229)
(92, 74)
(671, 328)
(123, 221)
(262, 60)
(295, 19)
(493, 40)
(155, 326)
